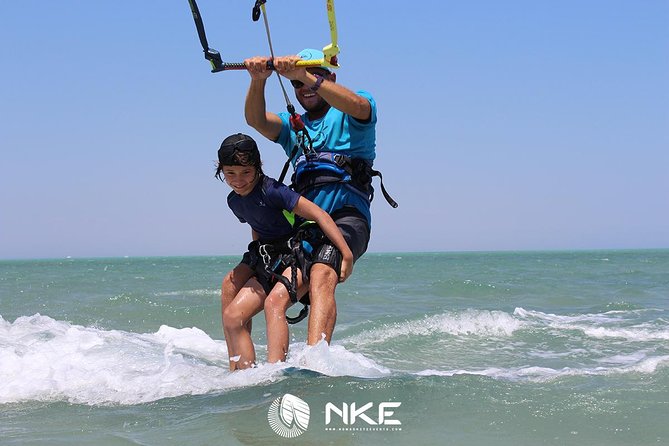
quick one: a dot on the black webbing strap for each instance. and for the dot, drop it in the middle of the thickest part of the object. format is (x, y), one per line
(213, 56)
(300, 129)
(386, 195)
(291, 285)
(286, 165)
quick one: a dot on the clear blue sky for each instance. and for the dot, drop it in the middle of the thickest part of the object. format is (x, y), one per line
(502, 125)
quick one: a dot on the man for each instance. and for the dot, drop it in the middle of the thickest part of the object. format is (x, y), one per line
(341, 125)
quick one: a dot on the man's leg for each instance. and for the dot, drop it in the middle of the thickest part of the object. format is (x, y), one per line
(324, 274)
(323, 280)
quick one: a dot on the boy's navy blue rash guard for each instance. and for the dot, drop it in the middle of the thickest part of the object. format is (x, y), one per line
(263, 208)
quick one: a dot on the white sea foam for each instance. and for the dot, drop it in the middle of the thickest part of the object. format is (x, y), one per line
(633, 333)
(624, 359)
(465, 323)
(600, 326)
(201, 292)
(48, 360)
(334, 360)
(648, 365)
(564, 319)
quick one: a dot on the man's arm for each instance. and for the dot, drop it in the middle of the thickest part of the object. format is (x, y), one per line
(255, 110)
(340, 97)
(266, 123)
(334, 94)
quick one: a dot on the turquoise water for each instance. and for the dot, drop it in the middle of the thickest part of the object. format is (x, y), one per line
(478, 349)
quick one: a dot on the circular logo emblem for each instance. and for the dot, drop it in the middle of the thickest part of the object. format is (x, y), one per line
(288, 416)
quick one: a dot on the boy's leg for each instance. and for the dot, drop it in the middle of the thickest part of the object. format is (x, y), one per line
(248, 302)
(276, 305)
(232, 284)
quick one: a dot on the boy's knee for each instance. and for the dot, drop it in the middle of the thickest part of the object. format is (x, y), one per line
(234, 280)
(272, 303)
(227, 284)
(229, 290)
(232, 319)
(277, 302)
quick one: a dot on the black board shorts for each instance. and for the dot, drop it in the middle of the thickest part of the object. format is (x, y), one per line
(355, 229)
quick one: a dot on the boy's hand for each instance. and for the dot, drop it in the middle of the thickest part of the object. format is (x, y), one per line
(346, 268)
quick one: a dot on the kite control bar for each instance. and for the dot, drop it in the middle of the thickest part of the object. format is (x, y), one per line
(217, 64)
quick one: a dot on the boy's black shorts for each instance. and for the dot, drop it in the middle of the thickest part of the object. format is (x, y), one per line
(316, 248)
(279, 262)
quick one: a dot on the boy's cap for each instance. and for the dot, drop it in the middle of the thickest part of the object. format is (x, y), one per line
(238, 142)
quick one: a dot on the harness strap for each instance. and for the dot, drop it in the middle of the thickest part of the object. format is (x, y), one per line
(290, 249)
(286, 165)
(295, 243)
(386, 195)
(303, 140)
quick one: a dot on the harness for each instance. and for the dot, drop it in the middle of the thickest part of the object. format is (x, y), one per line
(315, 169)
(279, 255)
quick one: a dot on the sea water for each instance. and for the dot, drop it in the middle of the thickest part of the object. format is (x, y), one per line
(511, 348)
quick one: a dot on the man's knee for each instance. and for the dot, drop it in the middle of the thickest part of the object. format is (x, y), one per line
(323, 275)
(322, 283)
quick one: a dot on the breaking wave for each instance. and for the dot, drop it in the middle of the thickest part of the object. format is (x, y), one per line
(45, 359)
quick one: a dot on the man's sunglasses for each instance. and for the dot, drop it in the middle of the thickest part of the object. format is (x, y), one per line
(300, 84)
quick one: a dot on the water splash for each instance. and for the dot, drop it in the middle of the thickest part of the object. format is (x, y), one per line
(43, 359)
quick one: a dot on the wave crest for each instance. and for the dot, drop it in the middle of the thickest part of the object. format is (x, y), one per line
(43, 359)
(465, 323)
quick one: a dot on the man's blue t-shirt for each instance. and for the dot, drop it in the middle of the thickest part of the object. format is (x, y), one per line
(341, 133)
(263, 208)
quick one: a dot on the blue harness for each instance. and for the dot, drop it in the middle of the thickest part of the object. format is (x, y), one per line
(315, 169)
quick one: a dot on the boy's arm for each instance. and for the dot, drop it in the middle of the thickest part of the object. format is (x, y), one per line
(307, 209)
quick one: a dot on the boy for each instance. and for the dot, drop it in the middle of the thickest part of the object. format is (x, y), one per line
(267, 206)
